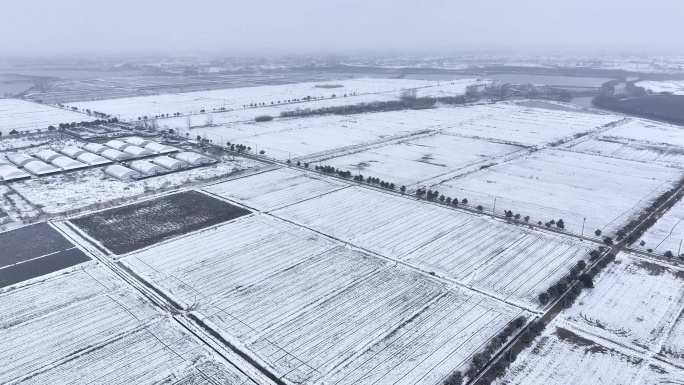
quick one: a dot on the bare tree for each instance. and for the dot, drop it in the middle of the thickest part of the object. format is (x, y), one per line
(188, 122)
(409, 94)
(209, 121)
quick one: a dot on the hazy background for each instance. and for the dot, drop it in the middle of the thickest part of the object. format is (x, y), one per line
(278, 26)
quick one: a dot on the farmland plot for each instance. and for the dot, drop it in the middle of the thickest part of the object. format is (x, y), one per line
(632, 151)
(83, 327)
(556, 184)
(139, 225)
(87, 188)
(511, 263)
(236, 98)
(648, 132)
(667, 233)
(35, 142)
(563, 356)
(673, 346)
(675, 87)
(528, 126)
(274, 189)
(308, 307)
(22, 116)
(412, 161)
(634, 303)
(661, 373)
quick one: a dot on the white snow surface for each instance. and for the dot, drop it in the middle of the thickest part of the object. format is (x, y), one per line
(667, 233)
(673, 156)
(675, 87)
(648, 132)
(22, 116)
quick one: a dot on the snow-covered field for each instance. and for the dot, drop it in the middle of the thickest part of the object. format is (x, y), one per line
(74, 190)
(673, 346)
(561, 357)
(315, 311)
(21, 115)
(36, 142)
(675, 87)
(648, 132)
(416, 160)
(511, 123)
(631, 151)
(85, 327)
(667, 233)
(634, 303)
(557, 184)
(276, 188)
(509, 262)
(366, 90)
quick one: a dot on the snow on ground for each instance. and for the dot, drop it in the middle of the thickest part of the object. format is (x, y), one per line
(634, 303)
(274, 189)
(310, 308)
(648, 132)
(36, 142)
(508, 262)
(413, 161)
(85, 327)
(511, 123)
(561, 356)
(14, 205)
(22, 116)
(631, 151)
(675, 87)
(237, 98)
(673, 346)
(661, 373)
(667, 233)
(557, 184)
(79, 189)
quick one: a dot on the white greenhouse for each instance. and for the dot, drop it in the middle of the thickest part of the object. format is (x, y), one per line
(92, 159)
(66, 163)
(9, 172)
(146, 167)
(160, 148)
(137, 151)
(72, 152)
(138, 141)
(39, 168)
(20, 159)
(169, 163)
(121, 172)
(95, 148)
(193, 159)
(117, 145)
(115, 155)
(47, 155)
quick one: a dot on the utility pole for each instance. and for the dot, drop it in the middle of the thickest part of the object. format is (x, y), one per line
(680, 248)
(585, 219)
(494, 209)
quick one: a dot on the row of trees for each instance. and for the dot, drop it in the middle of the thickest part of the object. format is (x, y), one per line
(434, 195)
(378, 181)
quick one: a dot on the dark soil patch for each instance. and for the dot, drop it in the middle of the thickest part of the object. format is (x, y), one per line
(133, 227)
(41, 266)
(652, 268)
(591, 346)
(30, 242)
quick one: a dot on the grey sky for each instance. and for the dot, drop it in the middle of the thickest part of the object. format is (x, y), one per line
(263, 26)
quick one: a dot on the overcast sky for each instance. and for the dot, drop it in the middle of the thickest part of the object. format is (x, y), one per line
(279, 26)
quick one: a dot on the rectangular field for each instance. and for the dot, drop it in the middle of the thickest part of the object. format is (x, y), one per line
(274, 189)
(416, 160)
(648, 132)
(22, 116)
(314, 311)
(510, 262)
(635, 303)
(139, 225)
(556, 184)
(84, 327)
(33, 251)
(562, 356)
(631, 151)
(667, 233)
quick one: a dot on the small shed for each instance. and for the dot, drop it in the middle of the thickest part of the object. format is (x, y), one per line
(169, 163)
(92, 159)
(121, 173)
(95, 148)
(117, 145)
(20, 160)
(160, 148)
(138, 141)
(115, 155)
(146, 167)
(137, 151)
(66, 163)
(40, 168)
(47, 155)
(193, 158)
(9, 172)
(72, 152)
